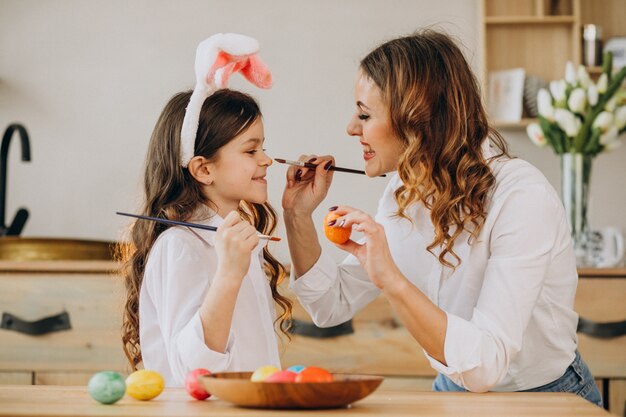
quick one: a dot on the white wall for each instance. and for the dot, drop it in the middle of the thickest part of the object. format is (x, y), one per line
(88, 79)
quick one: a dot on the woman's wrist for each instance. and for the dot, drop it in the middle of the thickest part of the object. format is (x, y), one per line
(395, 284)
(293, 214)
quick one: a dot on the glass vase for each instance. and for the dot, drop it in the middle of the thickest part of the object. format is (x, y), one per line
(575, 177)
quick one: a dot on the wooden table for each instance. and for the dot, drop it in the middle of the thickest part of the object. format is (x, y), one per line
(57, 401)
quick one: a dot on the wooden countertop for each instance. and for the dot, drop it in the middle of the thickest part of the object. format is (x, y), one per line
(619, 272)
(40, 400)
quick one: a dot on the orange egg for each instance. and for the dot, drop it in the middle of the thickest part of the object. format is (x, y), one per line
(333, 233)
(314, 374)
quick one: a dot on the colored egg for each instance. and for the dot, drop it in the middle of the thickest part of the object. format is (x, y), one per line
(194, 385)
(314, 374)
(144, 384)
(263, 372)
(334, 233)
(282, 376)
(106, 387)
(296, 368)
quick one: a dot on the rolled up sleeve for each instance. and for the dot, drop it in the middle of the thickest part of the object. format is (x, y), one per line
(524, 234)
(332, 293)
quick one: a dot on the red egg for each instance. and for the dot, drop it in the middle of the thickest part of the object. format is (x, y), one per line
(281, 376)
(194, 386)
(313, 374)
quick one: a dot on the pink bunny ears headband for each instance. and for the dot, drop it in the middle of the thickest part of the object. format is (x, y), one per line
(217, 58)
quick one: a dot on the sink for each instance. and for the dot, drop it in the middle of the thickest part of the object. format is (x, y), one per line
(55, 249)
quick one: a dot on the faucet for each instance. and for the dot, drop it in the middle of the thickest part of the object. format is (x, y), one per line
(16, 226)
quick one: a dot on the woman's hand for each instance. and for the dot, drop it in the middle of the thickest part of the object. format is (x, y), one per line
(306, 188)
(235, 239)
(374, 255)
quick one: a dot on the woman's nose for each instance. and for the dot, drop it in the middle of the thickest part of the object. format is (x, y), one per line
(353, 127)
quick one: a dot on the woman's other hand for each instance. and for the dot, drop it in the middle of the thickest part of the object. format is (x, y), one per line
(234, 241)
(306, 188)
(374, 255)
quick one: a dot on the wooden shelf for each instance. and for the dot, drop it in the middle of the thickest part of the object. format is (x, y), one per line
(541, 36)
(522, 20)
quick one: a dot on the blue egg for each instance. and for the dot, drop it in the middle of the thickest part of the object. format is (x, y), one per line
(296, 368)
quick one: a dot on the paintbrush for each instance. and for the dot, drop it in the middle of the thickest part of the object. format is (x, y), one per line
(313, 166)
(187, 224)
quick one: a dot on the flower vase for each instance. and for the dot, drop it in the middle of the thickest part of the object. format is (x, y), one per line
(575, 177)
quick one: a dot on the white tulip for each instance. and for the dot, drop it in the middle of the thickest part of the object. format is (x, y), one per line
(603, 121)
(611, 104)
(583, 77)
(620, 117)
(613, 145)
(603, 83)
(544, 104)
(611, 140)
(609, 136)
(557, 88)
(592, 94)
(577, 100)
(567, 121)
(570, 73)
(536, 135)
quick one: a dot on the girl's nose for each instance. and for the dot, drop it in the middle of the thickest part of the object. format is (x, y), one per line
(266, 161)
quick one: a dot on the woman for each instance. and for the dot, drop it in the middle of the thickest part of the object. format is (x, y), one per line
(470, 247)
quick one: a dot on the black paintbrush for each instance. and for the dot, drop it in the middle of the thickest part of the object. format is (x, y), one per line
(313, 166)
(187, 224)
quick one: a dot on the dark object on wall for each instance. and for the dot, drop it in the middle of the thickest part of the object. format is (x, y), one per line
(46, 325)
(601, 330)
(306, 329)
(17, 225)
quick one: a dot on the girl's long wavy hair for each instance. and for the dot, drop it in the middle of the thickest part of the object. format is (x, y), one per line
(172, 193)
(435, 108)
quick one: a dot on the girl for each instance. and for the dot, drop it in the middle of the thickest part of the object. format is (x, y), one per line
(196, 298)
(470, 247)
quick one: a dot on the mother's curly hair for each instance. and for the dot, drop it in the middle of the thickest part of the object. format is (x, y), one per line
(436, 110)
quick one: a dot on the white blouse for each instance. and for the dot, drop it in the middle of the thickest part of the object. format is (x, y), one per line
(178, 273)
(511, 323)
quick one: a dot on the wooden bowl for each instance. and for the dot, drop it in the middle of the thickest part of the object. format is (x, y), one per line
(236, 388)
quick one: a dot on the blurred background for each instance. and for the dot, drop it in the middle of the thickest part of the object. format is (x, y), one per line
(88, 80)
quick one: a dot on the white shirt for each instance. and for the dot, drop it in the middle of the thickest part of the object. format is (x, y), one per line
(178, 273)
(511, 323)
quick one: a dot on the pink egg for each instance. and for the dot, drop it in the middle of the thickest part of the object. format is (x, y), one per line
(194, 386)
(282, 376)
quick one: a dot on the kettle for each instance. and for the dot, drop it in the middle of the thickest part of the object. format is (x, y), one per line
(605, 247)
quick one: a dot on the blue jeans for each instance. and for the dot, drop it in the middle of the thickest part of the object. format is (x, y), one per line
(577, 379)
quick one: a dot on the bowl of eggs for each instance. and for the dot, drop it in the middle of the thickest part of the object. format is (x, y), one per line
(295, 387)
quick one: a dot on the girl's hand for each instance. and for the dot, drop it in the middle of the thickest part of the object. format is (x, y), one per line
(235, 239)
(374, 255)
(306, 188)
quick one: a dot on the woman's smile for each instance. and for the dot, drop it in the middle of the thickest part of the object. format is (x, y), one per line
(368, 153)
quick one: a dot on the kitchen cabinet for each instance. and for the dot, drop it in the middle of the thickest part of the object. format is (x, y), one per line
(600, 298)
(93, 298)
(88, 294)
